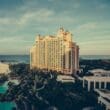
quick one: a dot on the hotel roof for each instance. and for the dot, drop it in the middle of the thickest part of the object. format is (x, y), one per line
(99, 71)
(94, 78)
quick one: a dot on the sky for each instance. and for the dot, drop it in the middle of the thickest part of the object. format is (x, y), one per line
(22, 20)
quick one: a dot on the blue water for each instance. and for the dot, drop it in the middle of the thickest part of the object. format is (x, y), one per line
(5, 105)
(95, 57)
(25, 58)
(15, 58)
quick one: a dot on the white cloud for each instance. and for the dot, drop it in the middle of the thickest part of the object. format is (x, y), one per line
(7, 21)
(53, 0)
(86, 27)
(14, 40)
(95, 42)
(45, 16)
(76, 5)
(8, 25)
(38, 15)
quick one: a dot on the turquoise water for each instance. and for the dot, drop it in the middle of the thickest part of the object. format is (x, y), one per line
(5, 105)
(3, 88)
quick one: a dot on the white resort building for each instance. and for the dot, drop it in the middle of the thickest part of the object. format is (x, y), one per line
(59, 53)
(104, 98)
(95, 82)
(99, 80)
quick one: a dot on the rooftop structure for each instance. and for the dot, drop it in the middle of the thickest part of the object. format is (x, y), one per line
(100, 72)
(65, 79)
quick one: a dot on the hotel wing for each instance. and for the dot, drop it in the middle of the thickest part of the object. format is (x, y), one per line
(57, 53)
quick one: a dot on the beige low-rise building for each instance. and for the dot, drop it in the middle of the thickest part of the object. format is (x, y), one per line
(57, 53)
(95, 82)
(65, 79)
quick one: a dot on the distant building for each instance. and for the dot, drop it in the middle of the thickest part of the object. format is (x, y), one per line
(57, 53)
(94, 82)
(104, 98)
(4, 68)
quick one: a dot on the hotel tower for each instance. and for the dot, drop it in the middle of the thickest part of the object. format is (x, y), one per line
(57, 53)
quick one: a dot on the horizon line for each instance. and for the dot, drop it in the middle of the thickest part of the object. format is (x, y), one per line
(79, 55)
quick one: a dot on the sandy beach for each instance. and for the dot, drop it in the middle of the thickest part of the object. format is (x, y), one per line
(4, 68)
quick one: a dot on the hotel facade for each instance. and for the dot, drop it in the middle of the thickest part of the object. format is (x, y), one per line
(57, 53)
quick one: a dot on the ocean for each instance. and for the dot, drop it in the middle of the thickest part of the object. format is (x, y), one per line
(96, 57)
(15, 58)
(25, 58)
